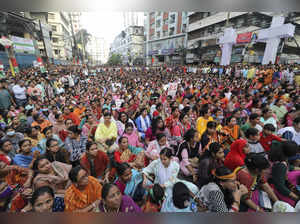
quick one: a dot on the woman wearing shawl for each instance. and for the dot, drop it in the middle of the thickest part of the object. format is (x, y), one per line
(238, 151)
(128, 179)
(54, 175)
(84, 195)
(143, 122)
(114, 202)
(132, 135)
(259, 191)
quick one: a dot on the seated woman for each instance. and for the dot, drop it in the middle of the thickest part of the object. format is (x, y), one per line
(223, 193)
(84, 195)
(259, 191)
(5, 148)
(34, 135)
(75, 144)
(43, 200)
(122, 121)
(95, 161)
(180, 200)
(55, 153)
(232, 131)
(127, 153)
(128, 178)
(55, 175)
(143, 122)
(106, 133)
(188, 155)
(236, 157)
(132, 135)
(114, 202)
(210, 160)
(157, 126)
(155, 146)
(165, 170)
(284, 190)
(48, 132)
(26, 156)
(210, 135)
(154, 199)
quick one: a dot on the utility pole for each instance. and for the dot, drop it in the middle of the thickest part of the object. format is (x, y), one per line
(228, 17)
(46, 54)
(74, 39)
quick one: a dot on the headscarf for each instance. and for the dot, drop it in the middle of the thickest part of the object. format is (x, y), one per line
(236, 156)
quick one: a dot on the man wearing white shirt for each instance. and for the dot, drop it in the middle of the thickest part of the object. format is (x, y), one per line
(19, 91)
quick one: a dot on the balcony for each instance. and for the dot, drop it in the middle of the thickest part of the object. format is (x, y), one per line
(210, 20)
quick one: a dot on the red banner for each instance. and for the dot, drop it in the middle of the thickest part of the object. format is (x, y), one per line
(244, 38)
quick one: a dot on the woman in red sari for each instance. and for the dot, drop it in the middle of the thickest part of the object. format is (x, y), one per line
(238, 151)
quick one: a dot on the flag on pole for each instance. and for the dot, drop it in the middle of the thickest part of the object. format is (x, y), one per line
(2, 74)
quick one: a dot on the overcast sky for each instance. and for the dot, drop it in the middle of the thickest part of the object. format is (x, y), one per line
(104, 24)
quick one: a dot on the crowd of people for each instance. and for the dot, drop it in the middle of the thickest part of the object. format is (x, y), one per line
(150, 139)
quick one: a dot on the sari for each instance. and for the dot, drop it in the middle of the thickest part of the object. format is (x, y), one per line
(127, 206)
(76, 199)
(130, 187)
(253, 184)
(236, 156)
(59, 180)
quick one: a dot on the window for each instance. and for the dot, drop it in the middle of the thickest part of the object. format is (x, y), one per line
(172, 19)
(56, 52)
(55, 39)
(158, 34)
(183, 28)
(158, 23)
(165, 33)
(158, 13)
(54, 28)
(172, 30)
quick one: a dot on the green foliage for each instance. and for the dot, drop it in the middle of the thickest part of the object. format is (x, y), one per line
(114, 59)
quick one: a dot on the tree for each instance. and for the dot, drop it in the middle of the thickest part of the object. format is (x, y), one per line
(114, 59)
(82, 38)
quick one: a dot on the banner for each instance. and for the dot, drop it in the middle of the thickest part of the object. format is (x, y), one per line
(244, 38)
(23, 45)
(172, 89)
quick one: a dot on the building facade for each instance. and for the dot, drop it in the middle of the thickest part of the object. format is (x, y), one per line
(130, 45)
(166, 37)
(205, 28)
(76, 21)
(98, 50)
(133, 19)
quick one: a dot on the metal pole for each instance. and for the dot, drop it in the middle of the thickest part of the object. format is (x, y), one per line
(74, 39)
(228, 17)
